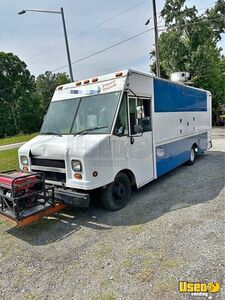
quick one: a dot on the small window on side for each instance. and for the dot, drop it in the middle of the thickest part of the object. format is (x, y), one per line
(146, 121)
(121, 126)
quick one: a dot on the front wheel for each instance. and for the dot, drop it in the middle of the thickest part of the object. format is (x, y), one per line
(192, 157)
(116, 195)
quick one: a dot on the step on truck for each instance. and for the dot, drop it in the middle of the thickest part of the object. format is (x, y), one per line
(116, 131)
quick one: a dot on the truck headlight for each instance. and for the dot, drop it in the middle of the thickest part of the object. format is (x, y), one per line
(76, 166)
(24, 160)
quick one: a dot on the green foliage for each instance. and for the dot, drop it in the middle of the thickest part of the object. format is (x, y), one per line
(9, 160)
(216, 15)
(16, 84)
(46, 85)
(175, 13)
(17, 139)
(23, 102)
(190, 44)
(30, 113)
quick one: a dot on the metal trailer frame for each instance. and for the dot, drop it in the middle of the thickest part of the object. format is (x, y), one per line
(44, 205)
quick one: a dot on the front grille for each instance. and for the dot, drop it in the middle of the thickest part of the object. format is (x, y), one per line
(48, 163)
(54, 176)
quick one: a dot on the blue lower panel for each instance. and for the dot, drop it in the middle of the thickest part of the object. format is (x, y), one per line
(172, 155)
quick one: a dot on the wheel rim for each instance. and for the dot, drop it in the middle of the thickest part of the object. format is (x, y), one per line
(119, 191)
(192, 154)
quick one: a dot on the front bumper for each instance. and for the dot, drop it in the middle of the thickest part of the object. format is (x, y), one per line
(73, 198)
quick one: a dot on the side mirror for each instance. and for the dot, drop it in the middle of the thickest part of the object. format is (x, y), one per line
(140, 112)
(138, 129)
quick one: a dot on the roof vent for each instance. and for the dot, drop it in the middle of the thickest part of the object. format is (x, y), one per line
(180, 77)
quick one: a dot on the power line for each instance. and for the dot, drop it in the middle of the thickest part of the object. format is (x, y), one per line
(117, 44)
(191, 23)
(90, 29)
(126, 40)
(204, 8)
(98, 52)
(105, 49)
(108, 20)
(9, 88)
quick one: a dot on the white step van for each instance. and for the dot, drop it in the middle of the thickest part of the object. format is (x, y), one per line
(115, 131)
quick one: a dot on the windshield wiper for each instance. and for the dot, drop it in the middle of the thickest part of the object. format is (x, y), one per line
(90, 129)
(51, 133)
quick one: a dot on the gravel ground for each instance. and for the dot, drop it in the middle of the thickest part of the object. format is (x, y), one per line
(173, 229)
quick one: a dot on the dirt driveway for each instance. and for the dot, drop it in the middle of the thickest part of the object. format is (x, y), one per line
(173, 229)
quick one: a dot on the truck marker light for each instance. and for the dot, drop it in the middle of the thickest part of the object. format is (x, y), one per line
(119, 74)
(78, 83)
(60, 87)
(95, 174)
(94, 79)
(78, 176)
(86, 81)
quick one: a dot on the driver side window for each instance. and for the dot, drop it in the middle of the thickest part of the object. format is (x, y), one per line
(145, 119)
(121, 126)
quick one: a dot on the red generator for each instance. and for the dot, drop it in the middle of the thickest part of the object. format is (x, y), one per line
(24, 194)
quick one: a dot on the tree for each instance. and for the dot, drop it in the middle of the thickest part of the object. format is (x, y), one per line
(23, 102)
(30, 119)
(46, 84)
(190, 44)
(16, 83)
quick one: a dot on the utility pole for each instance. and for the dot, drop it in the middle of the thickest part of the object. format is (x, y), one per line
(67, 45)
(60, 12)
(156, 39)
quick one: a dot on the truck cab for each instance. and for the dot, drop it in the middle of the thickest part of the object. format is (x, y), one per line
(102, 133)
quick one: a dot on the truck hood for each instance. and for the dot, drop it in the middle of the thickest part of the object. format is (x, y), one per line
(57, 147)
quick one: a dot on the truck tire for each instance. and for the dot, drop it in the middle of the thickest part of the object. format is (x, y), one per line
(117, 194)
(192, 157)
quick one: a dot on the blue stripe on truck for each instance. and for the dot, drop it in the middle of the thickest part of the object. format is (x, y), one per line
(172, 97)
(172, 155)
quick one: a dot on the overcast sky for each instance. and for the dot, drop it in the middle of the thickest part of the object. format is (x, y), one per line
(30, 35)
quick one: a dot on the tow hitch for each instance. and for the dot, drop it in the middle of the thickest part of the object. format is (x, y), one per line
(24, 197)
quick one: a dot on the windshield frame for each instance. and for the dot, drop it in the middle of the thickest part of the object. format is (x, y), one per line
(76, 112)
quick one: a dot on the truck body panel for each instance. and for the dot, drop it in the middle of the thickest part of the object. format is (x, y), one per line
(174, 117)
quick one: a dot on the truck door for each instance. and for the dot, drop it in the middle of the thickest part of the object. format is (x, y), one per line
(141, 146)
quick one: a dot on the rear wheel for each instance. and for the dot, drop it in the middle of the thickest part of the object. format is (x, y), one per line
(192, 157)
(116, 195)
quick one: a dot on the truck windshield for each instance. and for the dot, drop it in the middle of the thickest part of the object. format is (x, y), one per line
(88, 115)
(60, 116)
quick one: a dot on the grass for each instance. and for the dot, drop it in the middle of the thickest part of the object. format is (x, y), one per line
(17, 139)
(104, 251)
(137, 228)
(9, 160)
(128, 263)
(146, 275)
(2, 222)
(109, 296)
